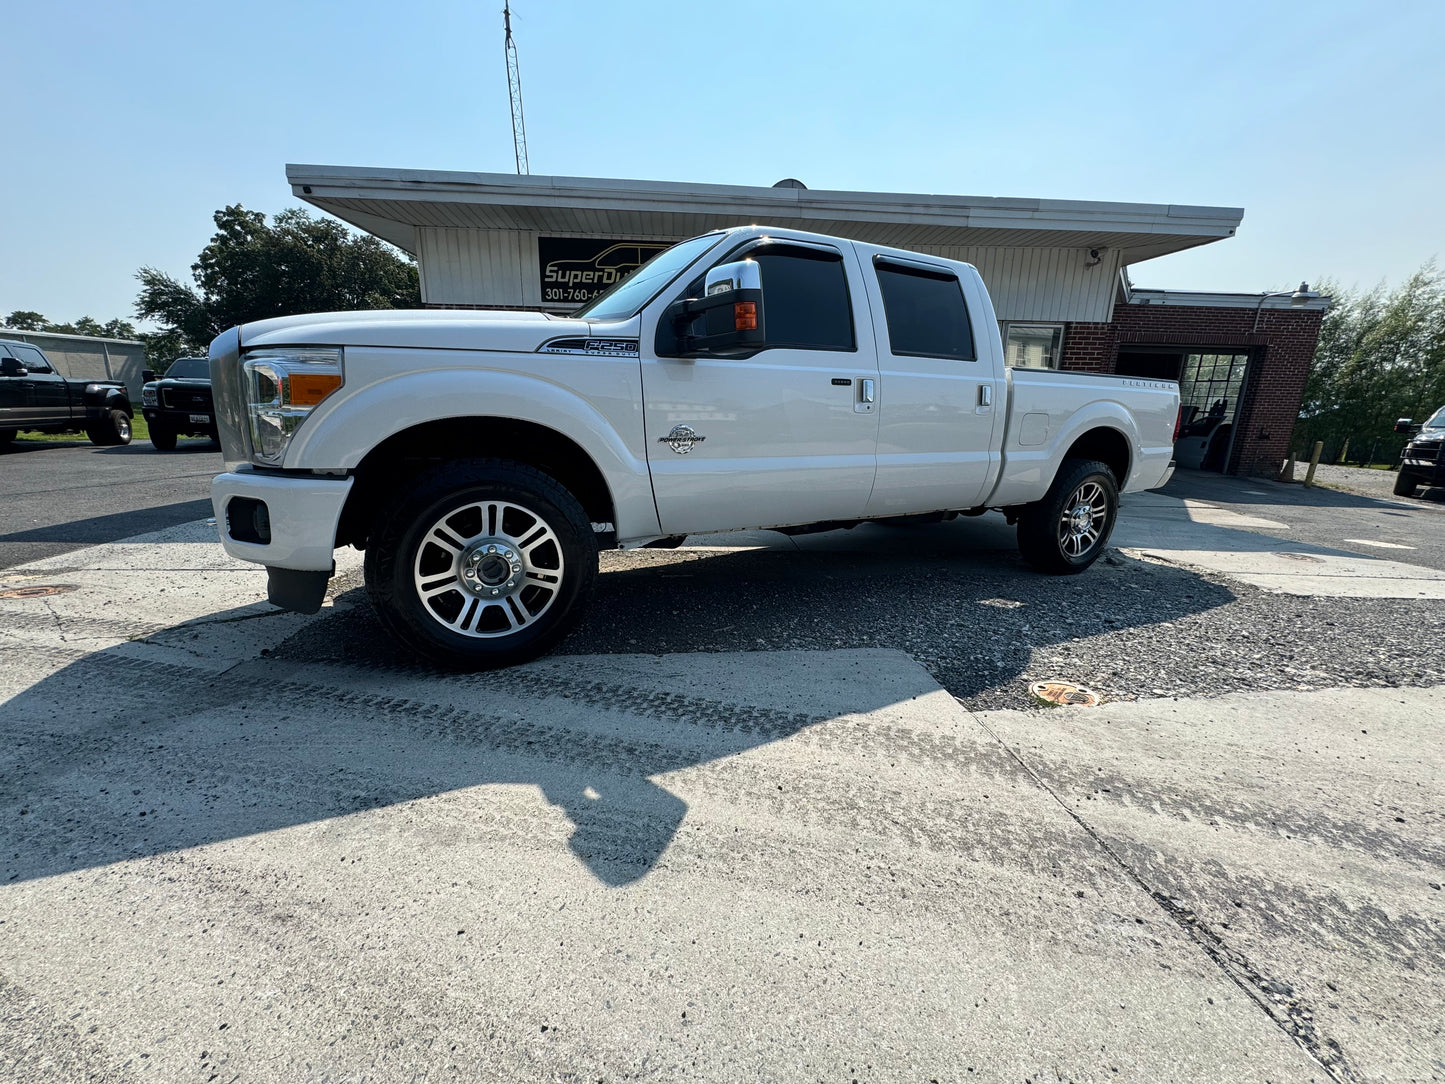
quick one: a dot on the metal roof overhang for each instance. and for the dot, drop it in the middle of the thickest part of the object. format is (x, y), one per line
(394, 203)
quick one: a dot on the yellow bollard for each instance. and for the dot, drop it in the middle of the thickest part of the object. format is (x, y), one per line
(1315, 454)
(1287, 474)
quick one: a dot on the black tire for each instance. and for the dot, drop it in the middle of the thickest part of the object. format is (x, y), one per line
(480, 502)
(6, 436)
(112, 429)
(1405, 486)
(1053, 542)
(163, 437)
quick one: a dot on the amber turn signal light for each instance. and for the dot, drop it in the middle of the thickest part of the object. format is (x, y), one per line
(745, 316)
(308, 389)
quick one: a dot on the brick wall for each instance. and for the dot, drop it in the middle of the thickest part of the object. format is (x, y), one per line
(1280, 353)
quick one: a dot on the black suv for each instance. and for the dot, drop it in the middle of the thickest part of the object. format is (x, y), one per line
(179, 403)
(34, 396)
(1421, 463)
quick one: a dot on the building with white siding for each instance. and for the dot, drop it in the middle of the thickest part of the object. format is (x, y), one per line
(1056, 269)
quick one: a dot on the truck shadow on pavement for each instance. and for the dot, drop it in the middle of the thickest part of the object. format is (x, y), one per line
(181, 752)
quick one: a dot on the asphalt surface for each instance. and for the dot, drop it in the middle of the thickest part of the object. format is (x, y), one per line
(1364, 518)
(57, 496)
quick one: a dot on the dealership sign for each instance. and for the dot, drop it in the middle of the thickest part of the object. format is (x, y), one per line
(574, 270)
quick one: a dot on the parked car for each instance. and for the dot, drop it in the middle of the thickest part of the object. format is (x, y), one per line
(179, 403)
(1421, 463)
(34, 396)
(748, 378)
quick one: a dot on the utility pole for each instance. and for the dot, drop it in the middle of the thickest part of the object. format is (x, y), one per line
(514, 92)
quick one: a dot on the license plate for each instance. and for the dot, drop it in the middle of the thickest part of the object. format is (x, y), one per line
(201, 419)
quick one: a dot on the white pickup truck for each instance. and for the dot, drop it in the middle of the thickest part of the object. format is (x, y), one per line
(747, 378)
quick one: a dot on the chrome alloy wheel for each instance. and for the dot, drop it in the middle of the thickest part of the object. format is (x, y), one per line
(488, 569)
(1083, 519)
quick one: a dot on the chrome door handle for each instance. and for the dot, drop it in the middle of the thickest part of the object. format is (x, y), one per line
(985, 395)
(865, 390)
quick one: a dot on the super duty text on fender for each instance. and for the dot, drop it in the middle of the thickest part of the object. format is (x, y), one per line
(748, 378)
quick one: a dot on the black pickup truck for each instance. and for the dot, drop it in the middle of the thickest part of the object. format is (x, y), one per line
(179, 403)
(34, 396)
(1421, 461)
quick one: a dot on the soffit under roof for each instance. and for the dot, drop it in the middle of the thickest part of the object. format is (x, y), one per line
(393, 204)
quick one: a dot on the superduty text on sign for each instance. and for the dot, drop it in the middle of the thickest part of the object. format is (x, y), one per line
(748, 378)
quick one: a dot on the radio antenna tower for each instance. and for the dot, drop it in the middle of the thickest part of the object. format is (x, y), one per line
(514, 91)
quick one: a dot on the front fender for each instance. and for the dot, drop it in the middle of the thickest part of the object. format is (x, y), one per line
(343, 430)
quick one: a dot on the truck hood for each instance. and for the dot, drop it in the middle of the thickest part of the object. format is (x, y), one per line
(441, 329)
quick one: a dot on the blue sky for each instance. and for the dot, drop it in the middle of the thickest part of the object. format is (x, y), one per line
(126, 125)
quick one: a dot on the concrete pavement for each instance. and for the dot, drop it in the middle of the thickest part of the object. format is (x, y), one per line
(783, 865)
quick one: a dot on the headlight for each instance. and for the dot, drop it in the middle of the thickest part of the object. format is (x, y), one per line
(282, 388)
(148, 396)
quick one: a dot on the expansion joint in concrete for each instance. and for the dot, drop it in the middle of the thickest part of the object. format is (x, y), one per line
(1276, 999)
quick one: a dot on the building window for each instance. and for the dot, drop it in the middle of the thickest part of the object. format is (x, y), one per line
(1034, 346)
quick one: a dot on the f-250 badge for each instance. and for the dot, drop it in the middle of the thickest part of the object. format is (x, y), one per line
(681, 439)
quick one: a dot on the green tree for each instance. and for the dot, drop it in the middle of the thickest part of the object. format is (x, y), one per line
(1381, 356)
(252, 270)
(25, 320)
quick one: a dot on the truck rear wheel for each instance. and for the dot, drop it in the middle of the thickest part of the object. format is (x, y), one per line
(481, 564)
(113, 428)
(1404, 485)
(1068, 530)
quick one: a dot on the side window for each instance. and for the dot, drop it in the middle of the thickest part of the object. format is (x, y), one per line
(806, 298)
(32, 359)
(926, 312)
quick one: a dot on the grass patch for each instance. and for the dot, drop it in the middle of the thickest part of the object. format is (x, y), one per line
(138, 431)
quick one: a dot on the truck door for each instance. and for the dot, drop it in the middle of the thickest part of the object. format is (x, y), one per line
(785, 436)
(940, 392)
(14, 393)
(49, 396)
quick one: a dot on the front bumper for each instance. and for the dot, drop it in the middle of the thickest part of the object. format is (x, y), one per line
(302, 514)
(180, 420)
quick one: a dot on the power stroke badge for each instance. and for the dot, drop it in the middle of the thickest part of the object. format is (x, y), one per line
(681, 439)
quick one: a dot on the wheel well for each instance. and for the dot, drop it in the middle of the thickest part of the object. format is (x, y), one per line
(1108, 446)
(391, 465)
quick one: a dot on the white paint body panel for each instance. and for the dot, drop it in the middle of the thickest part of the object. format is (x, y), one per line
(304, 513)
(784, 444)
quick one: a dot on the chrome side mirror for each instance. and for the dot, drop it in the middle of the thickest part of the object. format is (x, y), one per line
(728, 318)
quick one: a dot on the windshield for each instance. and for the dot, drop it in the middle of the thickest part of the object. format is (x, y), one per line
(637, 289)
(190, 369)
(1437, 421)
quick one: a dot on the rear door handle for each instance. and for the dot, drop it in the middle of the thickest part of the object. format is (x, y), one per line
(865, 390)
(985, 395)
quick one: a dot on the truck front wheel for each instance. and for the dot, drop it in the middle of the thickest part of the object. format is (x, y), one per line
(481, 564)
(1405, 486)
(163, 436)
(1068, 530)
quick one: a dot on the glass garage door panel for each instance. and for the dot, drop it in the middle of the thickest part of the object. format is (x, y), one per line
(1209, 389)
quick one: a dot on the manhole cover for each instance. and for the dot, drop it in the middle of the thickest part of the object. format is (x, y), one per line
(39, 590)
(1300, 557)
(1061, 692)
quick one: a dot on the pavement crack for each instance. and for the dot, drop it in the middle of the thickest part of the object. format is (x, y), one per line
(1290, 1013)
(59, 624)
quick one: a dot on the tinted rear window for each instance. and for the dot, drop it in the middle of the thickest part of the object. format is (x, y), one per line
(927, 315)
